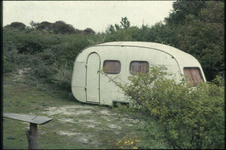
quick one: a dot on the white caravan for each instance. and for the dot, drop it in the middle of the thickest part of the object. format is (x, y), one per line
(122, 58)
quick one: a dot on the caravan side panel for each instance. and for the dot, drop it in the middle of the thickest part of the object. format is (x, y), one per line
(78, 81)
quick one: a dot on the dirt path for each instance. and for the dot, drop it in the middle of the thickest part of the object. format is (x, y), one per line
(89, 125)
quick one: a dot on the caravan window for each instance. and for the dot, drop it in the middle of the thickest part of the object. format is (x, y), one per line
(139, 66)
(112, 66)
(193, 75)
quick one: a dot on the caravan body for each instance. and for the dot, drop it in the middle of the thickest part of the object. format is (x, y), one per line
(90, 86)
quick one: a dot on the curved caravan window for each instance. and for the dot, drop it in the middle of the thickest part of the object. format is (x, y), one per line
(112, 66)
(139, 66)
(193, 75)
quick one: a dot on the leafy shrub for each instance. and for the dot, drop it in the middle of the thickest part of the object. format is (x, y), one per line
(7, 66)
(32, 42)
(68, 50)
(96, 39)
(41, 72)
(10, 56)
(10, 51)
(14, 59)
(43, 66)
(62, 77)
(186, 117)
(18, 25)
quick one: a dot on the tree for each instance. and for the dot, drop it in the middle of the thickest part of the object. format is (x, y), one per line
(181, 9)
(89, 31)
(203, 37)
(111, 29)
(60, 27)
(18, 25)
(125, 23)
(45, 25)
(117, 27)
(33, 24)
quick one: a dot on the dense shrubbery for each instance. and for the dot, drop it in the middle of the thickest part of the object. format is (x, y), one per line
(186, 117)
(47, 61)
(62, 76)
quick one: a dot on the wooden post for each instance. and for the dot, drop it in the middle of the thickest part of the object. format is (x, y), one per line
(32, 136)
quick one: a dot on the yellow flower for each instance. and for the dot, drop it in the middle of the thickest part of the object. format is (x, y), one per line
(134, 147)
(131, 142)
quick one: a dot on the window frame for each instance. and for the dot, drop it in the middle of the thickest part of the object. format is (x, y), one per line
(113, 61)
(200, 73)
(138, 61)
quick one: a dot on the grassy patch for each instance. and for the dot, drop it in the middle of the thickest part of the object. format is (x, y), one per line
(75, 125)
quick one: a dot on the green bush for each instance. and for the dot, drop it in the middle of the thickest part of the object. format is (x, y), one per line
(67, 51)
(7, 66)
(32, 42)
(62, 77)
(187, 117)
(42, 66)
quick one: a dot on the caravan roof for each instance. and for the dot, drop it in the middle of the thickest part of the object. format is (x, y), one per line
(183, 59)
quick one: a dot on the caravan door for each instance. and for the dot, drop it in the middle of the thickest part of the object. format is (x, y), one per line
(93, 78)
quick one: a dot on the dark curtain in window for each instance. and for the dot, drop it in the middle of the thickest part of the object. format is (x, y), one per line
(193, 75)
(139, 66)
(112, 66)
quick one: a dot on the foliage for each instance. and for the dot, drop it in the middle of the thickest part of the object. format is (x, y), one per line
(124, 23)
(62, 76)
(42, 65)
(68, 50)
(31, 43)
(41, 72)
(159, 33)
(89, 31)
(186, 117)
(121, 34)
(97, 39)
(7, 66)
(11, 58)
(128, 142)
(203, 37)
(41, 51)
(59, 27)
(18, 25)
(181, 9)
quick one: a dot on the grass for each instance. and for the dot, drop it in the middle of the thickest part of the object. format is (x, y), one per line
(24, 97)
